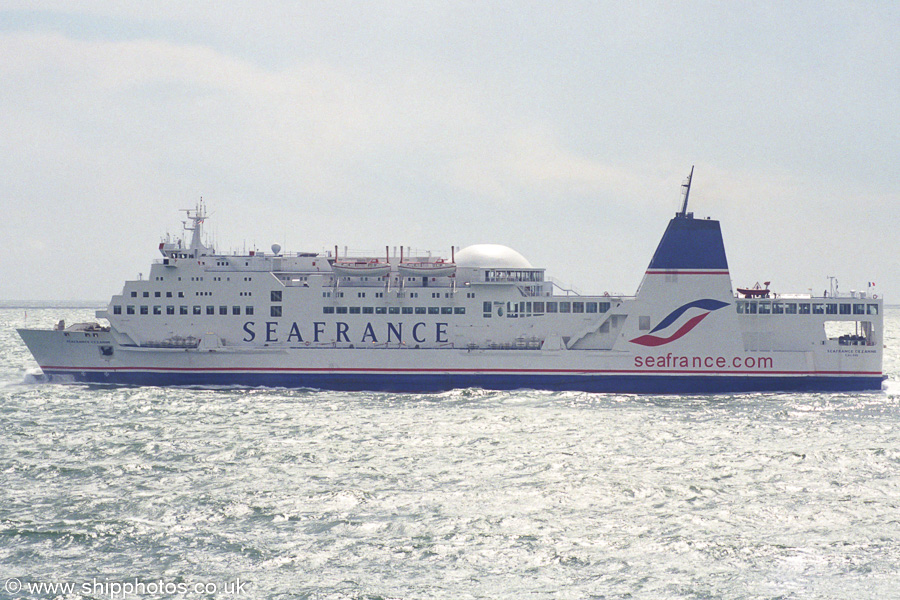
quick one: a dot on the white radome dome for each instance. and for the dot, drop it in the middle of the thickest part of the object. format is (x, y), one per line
(491, 256)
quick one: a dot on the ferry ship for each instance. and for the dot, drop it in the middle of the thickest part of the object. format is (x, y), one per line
(484, 318)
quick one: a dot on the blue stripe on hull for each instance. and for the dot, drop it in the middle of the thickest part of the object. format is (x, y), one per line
(437, 382)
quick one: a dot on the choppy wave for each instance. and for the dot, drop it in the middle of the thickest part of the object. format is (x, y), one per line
(466, 494)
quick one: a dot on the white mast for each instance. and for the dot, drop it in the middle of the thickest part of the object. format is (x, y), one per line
(198, 217)
(686, 190)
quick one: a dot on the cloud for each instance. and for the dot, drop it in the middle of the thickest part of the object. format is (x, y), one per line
(108, 130)
(310, 125)
(360, 125)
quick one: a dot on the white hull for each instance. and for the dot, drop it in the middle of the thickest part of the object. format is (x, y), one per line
(77, 358)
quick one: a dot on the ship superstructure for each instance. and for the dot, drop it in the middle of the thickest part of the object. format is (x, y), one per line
(484, 316)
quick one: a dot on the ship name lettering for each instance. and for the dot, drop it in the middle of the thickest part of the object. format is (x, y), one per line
(369, 333)
(295, 332)
(343, 333)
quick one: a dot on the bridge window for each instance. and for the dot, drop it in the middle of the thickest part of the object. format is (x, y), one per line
(804, 308)
(790, 308)
(873, 309)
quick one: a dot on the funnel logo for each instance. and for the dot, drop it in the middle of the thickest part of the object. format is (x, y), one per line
(707, 305)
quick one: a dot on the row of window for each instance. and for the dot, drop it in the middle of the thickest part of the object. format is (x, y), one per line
(752, 307)
(277, 295)
(539, 308)
(181, 294)
(156, 294)
(276, 311)
(200, 278)
(394, 310)
(513, 275)
(131, 309)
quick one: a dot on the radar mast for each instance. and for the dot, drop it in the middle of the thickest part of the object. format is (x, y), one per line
(686, 191)
(197, 216)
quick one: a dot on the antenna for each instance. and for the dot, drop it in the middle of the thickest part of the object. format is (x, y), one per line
(198, 217)
(686, 191)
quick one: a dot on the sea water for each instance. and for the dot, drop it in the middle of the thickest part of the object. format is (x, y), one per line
(118, 492)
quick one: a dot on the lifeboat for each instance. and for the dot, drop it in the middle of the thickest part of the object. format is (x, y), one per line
(361, 268)
(757, 291)
(438, 268)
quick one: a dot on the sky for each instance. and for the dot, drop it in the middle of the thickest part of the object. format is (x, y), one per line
(563, 130)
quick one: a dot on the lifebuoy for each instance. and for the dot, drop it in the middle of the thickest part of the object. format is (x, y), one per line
(875, 296)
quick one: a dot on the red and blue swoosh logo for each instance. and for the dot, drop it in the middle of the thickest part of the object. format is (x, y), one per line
(707, 305)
